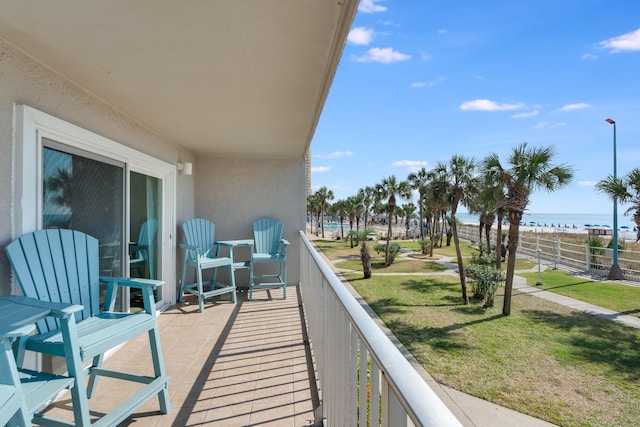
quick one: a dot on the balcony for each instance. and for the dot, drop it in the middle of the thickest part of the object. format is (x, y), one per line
(252, 364)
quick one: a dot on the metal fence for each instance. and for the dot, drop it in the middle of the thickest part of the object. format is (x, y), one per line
(362, 378)
(566, 255)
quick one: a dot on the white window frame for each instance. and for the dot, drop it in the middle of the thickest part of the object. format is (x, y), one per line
(32, 126)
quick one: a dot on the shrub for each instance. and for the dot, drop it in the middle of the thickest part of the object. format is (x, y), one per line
(484, 280)
(381, 249)
(425, 246)
(485, 259)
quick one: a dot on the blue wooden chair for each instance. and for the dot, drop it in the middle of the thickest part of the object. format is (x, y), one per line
(62, 266)
(139, 251)
(22, 391)
(200, 253)
(270, 248)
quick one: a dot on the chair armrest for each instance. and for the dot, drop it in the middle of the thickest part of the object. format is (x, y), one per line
(58, 309)
(146, 285)
(284, 242)
(132, 283)
(196, 250)
(190, 247)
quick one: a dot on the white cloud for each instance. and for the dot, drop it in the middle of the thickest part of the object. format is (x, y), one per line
(525, 115)
(589, 56)
(487, 105)
(628, 42)
(576, 106)
(320, 169)
(429, 83)
(385, 55)
(371, 6)
(549, 125)
(425, 56)
(333, 155)
(443, 31)
(587, 183)
(410, 165)
(360, 35)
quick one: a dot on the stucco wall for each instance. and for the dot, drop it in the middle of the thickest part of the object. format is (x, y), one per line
(24, 81)
(235, 192)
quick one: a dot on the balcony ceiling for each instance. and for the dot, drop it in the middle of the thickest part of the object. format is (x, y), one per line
(221, 78)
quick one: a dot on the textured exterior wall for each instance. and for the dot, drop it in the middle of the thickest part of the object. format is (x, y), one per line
(24, 81)
(235, 192)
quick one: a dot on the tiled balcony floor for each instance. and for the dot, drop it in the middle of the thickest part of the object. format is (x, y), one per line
(233, 365)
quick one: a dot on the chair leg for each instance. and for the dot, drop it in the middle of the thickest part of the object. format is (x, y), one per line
(156, 353)
(184, 275)
(92, 386)
(283, 276)
(200, 289)
(232, 281)
(79, 395)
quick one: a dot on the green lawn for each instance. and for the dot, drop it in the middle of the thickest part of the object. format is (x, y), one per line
(614, 296)
(566, 367)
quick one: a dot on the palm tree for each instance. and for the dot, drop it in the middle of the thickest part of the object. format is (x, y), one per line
(323, 194)
(459, 173)
(339, 209)
(435, 201)
(350, 209)
(314, 208)
(530, 168)
(388, 189)
(418, 181)
(493, 194)
(408, 210)
(625, 190)
(368, 195)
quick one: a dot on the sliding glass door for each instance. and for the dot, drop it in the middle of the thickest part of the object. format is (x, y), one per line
(145, 217)
(102, 197)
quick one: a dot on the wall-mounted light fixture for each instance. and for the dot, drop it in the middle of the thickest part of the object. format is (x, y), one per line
(185, 168)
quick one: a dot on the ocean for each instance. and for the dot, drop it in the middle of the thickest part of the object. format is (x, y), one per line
(562, 220)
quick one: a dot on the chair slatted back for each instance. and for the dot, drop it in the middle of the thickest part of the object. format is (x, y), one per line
(267, 233)
(58, 265)
(148, 232)
(201, 233)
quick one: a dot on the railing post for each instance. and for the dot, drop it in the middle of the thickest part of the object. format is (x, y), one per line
(557, 257)
(588, 255)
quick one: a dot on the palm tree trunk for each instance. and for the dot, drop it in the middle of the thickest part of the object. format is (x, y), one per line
(487, 235)
(389, 231)
(456, 242)
(365, 257)
(515, 216)
(499, 240)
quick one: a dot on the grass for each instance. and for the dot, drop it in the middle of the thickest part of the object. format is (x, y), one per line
(615, 296)
(398, 266)
(545, 360)
(563, 366)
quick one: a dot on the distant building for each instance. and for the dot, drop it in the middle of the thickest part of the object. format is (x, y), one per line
(600, 231)
(308, 162)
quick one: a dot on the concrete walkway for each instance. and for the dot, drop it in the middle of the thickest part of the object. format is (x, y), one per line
(472, 411)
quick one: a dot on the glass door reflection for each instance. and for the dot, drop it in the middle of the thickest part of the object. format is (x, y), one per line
(145, 218)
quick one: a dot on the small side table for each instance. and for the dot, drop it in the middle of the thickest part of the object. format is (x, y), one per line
(230, 245)
(22, 390)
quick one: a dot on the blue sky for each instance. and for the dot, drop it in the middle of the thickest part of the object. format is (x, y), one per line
(422, 80)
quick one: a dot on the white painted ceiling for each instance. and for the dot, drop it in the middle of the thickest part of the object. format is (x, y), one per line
(229, 78)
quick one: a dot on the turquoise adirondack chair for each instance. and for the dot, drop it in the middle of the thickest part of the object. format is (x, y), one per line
(139, 251)
(23, 391)
(199, 253)
(58, 265)
(270, 248)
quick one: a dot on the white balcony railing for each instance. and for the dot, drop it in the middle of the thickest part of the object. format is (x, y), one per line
(362, 377)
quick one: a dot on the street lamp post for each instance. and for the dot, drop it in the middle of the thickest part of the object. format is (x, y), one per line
(615, 273)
